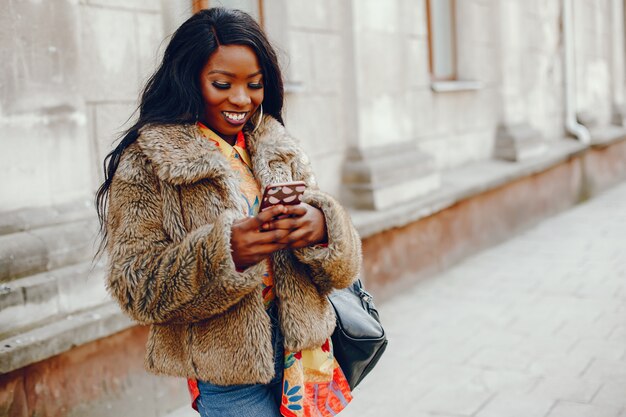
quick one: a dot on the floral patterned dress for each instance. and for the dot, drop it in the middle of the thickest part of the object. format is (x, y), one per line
(313, 383)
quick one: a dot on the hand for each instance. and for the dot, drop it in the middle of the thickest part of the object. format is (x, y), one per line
(249, 244)
(306, 226)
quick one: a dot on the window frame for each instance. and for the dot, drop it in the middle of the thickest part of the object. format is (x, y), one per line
(431, 47)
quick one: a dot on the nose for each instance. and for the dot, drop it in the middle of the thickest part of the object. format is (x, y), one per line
(239, 97)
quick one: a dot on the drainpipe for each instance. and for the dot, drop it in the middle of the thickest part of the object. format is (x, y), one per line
(571, 124)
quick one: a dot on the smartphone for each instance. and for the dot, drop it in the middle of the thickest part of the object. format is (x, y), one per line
(286, 193)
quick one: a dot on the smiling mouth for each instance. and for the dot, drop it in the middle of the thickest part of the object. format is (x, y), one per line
(235, 117)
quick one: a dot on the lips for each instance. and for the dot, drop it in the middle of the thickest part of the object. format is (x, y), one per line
(235, 117)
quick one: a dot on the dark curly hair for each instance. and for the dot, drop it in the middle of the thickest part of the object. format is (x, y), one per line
(172, 94)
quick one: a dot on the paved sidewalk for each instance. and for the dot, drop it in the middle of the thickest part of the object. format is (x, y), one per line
(535, 327)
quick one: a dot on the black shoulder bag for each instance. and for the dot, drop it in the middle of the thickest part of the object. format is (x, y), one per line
(359, 339)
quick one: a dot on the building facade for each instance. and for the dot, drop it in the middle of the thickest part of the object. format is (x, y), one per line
(443, 125)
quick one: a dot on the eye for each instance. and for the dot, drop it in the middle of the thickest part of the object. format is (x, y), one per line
(220, 85)
(256, 86)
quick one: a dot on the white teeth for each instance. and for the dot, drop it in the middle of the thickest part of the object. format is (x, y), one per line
(235, 116)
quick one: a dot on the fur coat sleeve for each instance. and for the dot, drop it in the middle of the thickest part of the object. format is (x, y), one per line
(337, 264)
(154, 279)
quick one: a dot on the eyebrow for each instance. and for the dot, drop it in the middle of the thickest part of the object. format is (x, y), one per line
(230, 74)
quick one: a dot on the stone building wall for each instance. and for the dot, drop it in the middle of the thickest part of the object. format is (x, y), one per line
(316, 65)
(358, 73)
(593, 60)
(122, 41)
(459, 127)
(70, 72)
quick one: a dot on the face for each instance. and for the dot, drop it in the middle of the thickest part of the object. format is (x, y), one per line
(232, 89)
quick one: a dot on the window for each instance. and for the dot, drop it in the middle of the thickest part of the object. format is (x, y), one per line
(442, 39)
(252, 7)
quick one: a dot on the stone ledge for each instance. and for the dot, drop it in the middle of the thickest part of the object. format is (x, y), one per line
(455, 86)
(46, 248)
(462, 183)
(15, 221)
(26, 302)
(606, 136)
(61, 335)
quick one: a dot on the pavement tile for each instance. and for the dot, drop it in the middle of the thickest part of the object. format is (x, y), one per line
(599, 349)
(567, 389)
(607, 370)
(185, 411)
(595, 330)
(444, 352)
(500, 380)
(461, 402)
(618, 334)
(548, 344)
(387, 395)
(502, 358)
(570, 409)
(563, 365)
(515, 405)
(530, 322)
(439, 374)
(612, 394)
(491, 339)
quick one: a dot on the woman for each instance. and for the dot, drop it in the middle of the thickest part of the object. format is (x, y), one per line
(236, 299)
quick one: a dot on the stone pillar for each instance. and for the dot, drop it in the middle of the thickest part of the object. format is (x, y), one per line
(380, 178)
(383, 166)
(516, 139)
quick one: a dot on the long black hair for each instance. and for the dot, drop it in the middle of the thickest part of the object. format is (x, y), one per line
(172, 94)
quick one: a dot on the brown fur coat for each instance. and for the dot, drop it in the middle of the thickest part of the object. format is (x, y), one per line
(171, 205)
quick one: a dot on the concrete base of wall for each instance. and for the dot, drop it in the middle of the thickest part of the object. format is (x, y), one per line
(397, 258)
(100, 379)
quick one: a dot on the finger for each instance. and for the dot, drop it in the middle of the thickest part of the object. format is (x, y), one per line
(285, 224)
(271, 236)
(268, 214)
(295, 236)
(296, 210)
(294, 244)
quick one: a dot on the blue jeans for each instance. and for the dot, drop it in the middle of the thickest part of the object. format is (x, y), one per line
(248, 400)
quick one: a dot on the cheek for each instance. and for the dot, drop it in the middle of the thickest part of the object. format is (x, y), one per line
(211, 96)
(257, 97)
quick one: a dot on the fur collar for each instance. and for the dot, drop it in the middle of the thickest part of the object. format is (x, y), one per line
(182, 155)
